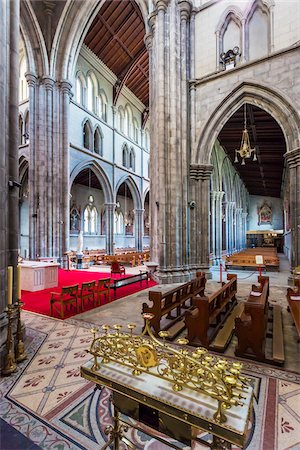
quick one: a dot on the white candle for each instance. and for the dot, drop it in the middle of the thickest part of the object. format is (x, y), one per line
(19, 282)
(9, 284)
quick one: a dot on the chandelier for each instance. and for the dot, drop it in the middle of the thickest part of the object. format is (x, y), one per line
(245, 150)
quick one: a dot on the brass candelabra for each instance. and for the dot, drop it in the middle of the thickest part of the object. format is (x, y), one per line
(9, 360)
(196, 369)
(20, 350)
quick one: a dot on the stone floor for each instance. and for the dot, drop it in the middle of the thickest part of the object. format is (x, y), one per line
(129, 309)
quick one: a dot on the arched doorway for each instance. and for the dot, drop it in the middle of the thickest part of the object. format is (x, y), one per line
(146, 236)
(87, 211)
(124, 218)
(24, 209)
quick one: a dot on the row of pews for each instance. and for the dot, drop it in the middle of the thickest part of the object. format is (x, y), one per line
(131, 258)
(246, 259)
(211, 320)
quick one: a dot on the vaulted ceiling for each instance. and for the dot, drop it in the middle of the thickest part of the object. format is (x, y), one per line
(264, 176)
(116, 36)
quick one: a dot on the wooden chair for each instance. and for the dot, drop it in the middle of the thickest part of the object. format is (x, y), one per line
(87, 292)
(102, 288)
(116, 267)
(67, 296)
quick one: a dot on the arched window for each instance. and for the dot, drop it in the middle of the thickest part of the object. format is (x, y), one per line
(125, 156)
(23, 86)
(132, 159)
(79, 91)
(121, 119)
(90, 94)
(102, 102)
(87, 135)
(90, 219)
(257, 32)
(135, 131)
(21, 133)
(119, 223)
(147, 139)
(98, 139)
(148, 168)
(26, 128)
(128, 121)
(229, 38)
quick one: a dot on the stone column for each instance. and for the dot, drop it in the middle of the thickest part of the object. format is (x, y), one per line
(32, 168)
(293, 163)
(199, 217)
(109, 215)
(231, 227)
(138, 229)
(218, 227)
(213, 225)
(64, 219)
(244, 216)
(218, 50)
(243, 49)
(239, 229)
(169, 138)
(9, 192)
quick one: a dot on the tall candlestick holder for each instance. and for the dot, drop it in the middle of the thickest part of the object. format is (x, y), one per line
(9, 360)
(21, 355)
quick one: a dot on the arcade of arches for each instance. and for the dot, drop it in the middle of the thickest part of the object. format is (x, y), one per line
(124, 124)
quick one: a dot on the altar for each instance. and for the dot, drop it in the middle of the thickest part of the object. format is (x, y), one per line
(37, 275)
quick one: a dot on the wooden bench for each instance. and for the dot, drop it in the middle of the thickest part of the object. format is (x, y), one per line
(164, 303)
(247, 259)
(293, 299)
(67, 296)
(209, 313)
(251, 326)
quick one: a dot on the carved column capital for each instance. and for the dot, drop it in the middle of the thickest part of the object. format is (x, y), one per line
(48, 83)
(148, 39)
(31, 79)
(200, 171)
(185, 8)
(66, 87)
(152, 20)
(161, 5)
(293, 158)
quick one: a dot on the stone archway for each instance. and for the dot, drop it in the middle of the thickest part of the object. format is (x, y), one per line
(279, 106)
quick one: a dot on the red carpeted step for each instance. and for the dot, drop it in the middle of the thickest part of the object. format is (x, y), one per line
(39, 301)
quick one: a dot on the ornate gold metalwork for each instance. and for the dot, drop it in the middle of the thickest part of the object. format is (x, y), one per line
(198, 370)
(9, 360)
(20, 349)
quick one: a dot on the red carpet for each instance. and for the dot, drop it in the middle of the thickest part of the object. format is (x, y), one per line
(39, 301)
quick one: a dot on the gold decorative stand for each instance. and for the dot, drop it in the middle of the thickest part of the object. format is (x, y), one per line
(9, 361)
(20, 352)
(115, 432)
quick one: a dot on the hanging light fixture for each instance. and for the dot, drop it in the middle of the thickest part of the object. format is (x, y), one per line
(245, 150)
(90, 197)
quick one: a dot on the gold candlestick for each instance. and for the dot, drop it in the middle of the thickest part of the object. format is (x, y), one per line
(9, 361)
(20, 352)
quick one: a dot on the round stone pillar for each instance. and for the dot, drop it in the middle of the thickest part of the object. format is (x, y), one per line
(293, 162)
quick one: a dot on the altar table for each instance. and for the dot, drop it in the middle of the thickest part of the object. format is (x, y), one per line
(36, 275)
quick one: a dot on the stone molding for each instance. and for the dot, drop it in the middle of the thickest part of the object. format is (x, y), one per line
(293, 158)
(185, 8)
(31, 79)
(161, 5)
(48, 83)
(200, 171)
(148, 39)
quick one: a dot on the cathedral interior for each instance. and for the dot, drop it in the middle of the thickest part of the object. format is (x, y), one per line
(150, 224)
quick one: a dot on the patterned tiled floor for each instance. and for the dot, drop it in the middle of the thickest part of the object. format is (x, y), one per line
(50, 404)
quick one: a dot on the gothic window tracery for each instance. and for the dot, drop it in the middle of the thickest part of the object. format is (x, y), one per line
(90, 219)
(98, 142)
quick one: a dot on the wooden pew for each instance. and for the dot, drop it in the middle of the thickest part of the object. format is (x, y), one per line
(164, 303)
(251, 326)
(209, 313)
(246, 258)
(293, 299)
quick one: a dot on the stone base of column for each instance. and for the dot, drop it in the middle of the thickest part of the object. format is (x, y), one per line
(179, 275)
(291, 279)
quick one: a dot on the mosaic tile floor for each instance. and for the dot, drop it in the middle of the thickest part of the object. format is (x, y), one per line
(51, 407)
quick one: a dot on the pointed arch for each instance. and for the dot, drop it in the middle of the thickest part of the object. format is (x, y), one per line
(100, 174)
(258, 29)
(125, 155)
(137, 201)
(87, 135)
(276, 103)
(75, 20)
(98, 140)
(34, 43)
